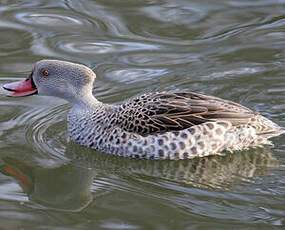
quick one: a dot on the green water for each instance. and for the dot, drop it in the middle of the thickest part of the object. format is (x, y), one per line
(231, 49)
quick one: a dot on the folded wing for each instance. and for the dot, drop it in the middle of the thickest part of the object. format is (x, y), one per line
(164, 112)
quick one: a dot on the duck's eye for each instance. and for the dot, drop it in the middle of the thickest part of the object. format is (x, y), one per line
(45, 72)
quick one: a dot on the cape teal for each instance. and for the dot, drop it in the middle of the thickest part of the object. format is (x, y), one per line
(158, 125)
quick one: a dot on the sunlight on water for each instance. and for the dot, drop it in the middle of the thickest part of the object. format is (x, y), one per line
(230, 49)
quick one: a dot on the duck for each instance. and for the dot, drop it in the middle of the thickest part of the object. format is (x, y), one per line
(171, 125)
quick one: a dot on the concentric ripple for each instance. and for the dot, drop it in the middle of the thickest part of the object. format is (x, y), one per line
(230, 49)
(46, 132)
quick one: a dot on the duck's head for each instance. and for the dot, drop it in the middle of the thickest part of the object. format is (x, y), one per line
(66, 80)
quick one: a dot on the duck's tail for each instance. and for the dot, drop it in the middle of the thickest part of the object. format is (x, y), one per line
(266, 128)
(254, 134)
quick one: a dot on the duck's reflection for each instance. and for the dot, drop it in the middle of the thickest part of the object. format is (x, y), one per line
(217, 172)
(65, 188)
(68, 186)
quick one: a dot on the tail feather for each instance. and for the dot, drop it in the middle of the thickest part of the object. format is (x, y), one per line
(256, 133)
(266, 128)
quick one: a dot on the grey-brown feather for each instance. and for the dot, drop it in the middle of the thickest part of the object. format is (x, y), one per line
(164, 112)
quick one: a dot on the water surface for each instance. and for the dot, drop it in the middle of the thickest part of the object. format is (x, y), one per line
(230, 49)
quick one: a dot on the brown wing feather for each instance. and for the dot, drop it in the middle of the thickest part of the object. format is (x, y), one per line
(162, 112)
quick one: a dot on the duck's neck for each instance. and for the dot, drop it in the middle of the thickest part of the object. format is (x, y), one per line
(86, 101)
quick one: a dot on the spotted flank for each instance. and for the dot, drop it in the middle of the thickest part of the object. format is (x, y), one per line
(170, 126)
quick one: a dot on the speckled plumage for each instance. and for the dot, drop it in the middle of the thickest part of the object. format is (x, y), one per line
(169, 125)
(162, 125)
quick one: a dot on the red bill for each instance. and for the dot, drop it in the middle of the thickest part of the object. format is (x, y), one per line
(21, 88)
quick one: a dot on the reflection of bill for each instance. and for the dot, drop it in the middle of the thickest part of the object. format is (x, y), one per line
(65, 188)
(68, 187)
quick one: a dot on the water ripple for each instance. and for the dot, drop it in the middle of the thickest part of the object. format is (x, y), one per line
(47, 131)
(102, 47)
(134, 75)
(45, 19)
(231, 49)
